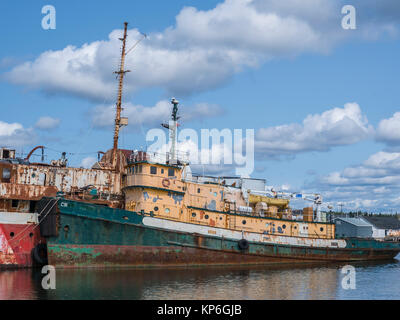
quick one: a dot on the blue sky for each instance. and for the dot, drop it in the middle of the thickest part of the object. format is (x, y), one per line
(263, 64)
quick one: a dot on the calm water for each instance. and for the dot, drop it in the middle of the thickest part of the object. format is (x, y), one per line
(373, 281)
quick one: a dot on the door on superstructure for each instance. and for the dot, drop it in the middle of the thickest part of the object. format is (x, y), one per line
(303, 229)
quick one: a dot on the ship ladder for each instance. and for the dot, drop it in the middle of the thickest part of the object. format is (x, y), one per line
(329, 232)
(232, 221)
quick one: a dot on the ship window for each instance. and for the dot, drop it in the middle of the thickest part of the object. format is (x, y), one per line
(6, 174)
(284, 226)
(155, 208)
(139, 169)
(193, 214)
(12, 234)
(32, 205)
(14, 203)
(162, 171)
(171, 172)
(322, 229)
(133, 170)
(244, 221)
(206, 216)
(153, 170)
(198, 190)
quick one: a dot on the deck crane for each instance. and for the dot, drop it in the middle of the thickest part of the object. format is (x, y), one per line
(316, 198)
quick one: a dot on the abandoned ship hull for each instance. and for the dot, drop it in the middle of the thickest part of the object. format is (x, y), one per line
(19, 238)
(96, 236)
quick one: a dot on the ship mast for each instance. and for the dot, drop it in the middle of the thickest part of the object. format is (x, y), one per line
(172, 126)
(173, 130)
(120, 74)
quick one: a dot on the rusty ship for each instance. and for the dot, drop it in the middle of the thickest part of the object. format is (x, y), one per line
(22, 186)
(171, 217)
(135, 208)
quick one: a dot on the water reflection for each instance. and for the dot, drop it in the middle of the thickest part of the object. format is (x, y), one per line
(374, 281)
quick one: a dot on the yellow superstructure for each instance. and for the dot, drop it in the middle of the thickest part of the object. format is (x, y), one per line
(162, 191)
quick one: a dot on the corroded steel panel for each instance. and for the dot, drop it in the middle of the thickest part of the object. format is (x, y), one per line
(26, 191)
(68, 179)
(16, 244)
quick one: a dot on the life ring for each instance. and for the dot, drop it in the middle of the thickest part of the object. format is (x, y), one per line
(166, 183)
(243, 244)
(39, 254)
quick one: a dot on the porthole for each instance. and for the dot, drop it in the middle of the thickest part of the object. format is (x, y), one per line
(206, 216)
(244, 221)
(166, 210)
(284, 226)
(220, 218)
(321, 229)
(193, 214)
(66, 228)
(31, 235)
(125, 218)
(155, 208)
(11, 234)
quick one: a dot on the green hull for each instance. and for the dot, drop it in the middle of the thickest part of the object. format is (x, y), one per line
(96, 236)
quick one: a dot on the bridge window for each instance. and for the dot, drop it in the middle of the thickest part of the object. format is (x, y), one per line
(14, 203)
(6, 175)
(171, 172)
(153, 170)
(162, 171)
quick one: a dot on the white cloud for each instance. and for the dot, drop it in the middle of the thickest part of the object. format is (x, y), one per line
(201, 51)
(388, 130)
(15, 135)
(88, 162)
(371, 185)
(47, 123)
(319, 132)
(103, 116)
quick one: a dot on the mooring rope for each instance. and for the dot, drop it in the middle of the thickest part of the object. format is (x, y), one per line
(28, 226)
